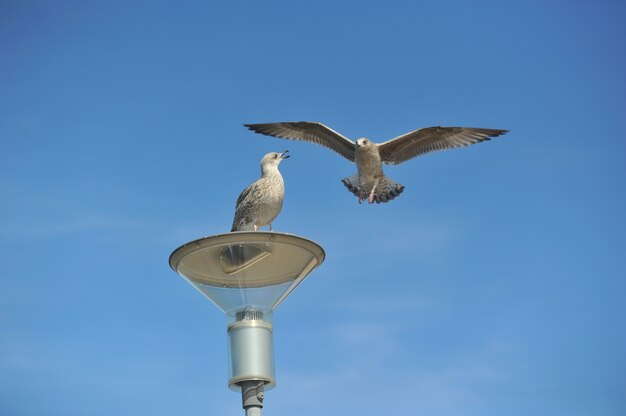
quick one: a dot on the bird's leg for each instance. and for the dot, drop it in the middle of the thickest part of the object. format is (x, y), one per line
(361, 198)
(370, 199)
(270, 226)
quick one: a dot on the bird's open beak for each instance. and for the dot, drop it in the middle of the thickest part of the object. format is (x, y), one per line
(283, 155)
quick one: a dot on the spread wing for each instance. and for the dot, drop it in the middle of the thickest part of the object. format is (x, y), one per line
(308, 132)
(430, 139)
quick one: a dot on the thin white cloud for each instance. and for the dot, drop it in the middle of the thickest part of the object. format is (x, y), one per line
(401, 304)
(94, 224)
(368, 385)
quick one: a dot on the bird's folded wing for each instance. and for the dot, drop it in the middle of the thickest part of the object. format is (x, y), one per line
(430, 139)
(247, 195)
(309, 132)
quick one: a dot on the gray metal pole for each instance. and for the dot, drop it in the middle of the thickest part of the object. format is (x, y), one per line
(252, 394)
(253, 411)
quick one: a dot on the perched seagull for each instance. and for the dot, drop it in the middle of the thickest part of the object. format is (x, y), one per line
(369, 156)
(260, 203)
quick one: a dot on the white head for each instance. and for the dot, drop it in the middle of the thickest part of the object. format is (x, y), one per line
(273, 159)
(363, 142)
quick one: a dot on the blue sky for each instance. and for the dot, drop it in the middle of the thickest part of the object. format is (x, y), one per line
(493, 285)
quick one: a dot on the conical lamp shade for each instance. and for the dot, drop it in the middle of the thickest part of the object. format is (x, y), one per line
(247, 269)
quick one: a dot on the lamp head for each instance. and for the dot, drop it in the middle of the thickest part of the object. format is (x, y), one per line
(243, 270)
(247, 275)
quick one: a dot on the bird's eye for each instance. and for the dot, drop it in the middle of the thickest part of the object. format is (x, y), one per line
(275, 155)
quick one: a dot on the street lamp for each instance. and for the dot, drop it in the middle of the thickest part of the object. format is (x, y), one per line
(247, 275)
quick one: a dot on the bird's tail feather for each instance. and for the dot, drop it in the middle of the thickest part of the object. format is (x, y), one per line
(386, 190)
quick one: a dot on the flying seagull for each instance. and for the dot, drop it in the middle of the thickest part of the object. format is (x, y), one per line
(370, 181)
(260, 203)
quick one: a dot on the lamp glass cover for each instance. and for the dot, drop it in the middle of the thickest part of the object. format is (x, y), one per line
(247, 270)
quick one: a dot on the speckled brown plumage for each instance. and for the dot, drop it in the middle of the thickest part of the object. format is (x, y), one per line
(261, 202)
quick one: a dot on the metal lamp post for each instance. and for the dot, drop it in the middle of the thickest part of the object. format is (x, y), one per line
(247, 275)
